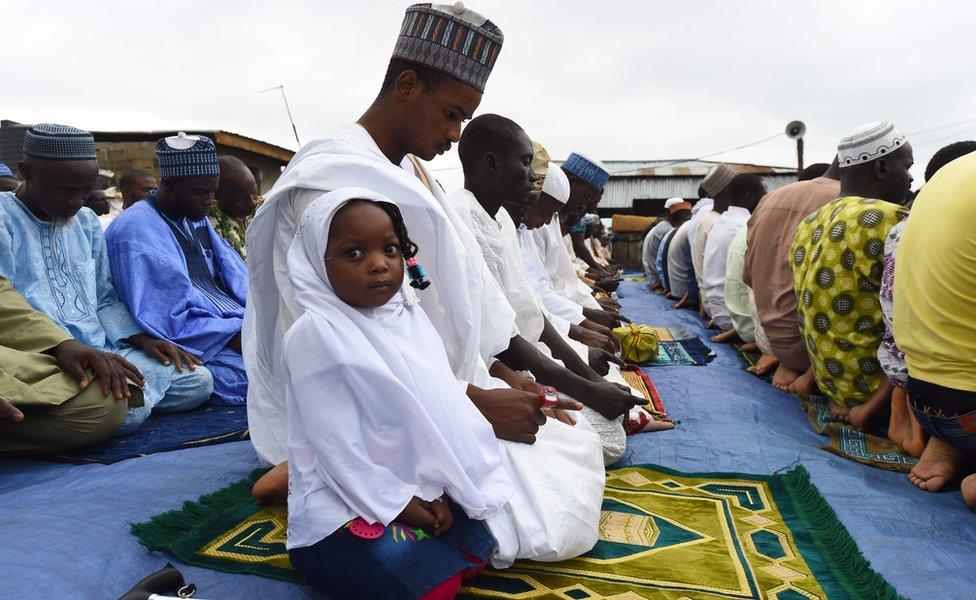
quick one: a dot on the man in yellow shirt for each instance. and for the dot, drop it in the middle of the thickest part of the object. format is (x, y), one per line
(935, 322)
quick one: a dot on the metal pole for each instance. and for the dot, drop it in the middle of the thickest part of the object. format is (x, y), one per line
(799, 154)
(281, 88)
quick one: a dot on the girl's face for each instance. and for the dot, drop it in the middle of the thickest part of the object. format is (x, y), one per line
(362, 257)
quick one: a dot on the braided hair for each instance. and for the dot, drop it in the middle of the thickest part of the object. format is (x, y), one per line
(408, 249)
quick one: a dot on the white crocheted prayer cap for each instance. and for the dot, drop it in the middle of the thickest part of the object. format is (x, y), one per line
(556, 184)
(869, 142)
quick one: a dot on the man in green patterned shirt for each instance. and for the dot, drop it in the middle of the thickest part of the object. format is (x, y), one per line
(837, 261)
(237, 199)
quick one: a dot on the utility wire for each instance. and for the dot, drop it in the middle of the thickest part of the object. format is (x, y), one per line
(703, 157)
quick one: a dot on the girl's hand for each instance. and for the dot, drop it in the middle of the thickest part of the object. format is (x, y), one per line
(443, 517)
(418, 514)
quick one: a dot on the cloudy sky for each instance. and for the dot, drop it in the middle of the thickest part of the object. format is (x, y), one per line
(618, 80)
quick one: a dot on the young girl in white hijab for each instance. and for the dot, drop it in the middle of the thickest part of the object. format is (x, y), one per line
(393, 472)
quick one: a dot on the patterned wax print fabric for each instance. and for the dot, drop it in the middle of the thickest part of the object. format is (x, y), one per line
(892, 359)
(838, 262)
(232, 230)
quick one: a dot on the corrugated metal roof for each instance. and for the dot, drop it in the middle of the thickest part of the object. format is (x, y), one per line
(660, 179)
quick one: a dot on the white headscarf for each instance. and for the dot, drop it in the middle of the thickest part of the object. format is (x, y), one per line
(375, 415)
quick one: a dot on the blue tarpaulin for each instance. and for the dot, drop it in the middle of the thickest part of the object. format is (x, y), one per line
(65, 528)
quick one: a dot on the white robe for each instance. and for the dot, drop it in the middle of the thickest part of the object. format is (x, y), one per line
(499, 244)
(454, 301)
(559, 264)
(555, 303)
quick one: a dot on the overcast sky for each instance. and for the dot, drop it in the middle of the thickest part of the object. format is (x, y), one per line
(615, 79)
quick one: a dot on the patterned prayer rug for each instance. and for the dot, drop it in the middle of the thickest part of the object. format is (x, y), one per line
(678, 347)
(163, 432)
(642, 419)
(845, 441)
(663, 534)
(749, 360)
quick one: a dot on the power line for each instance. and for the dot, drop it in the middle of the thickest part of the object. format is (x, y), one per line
(941, 127)
(703, 157)
(946, 137)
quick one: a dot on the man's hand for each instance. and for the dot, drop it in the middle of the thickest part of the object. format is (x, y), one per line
(599, 360)
(603, 330)
(560, 415)
(113, 371)
(608, 304)
(9, 411)
(608, 285)
(515, 415)
(165, 352)
(590, 337)
(607, 318)
(611, 401)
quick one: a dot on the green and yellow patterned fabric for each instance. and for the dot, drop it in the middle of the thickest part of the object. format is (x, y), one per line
(838, 259)
(232, 230)
(663, 534)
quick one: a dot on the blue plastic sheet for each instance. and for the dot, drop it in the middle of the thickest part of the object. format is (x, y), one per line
(65, 529)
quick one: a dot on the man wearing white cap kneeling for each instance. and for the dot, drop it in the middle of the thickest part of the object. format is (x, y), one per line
(838, 261)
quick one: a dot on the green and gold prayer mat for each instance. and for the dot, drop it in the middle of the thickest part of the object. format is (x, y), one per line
(844, 440)
(663, 534)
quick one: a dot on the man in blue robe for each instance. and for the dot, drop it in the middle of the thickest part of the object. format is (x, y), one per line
(53, 253)
(179, 278)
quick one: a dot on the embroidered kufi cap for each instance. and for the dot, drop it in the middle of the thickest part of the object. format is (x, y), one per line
(59, 142)
(589, 170)
(452, 39)
(183, 155)
(869, 142)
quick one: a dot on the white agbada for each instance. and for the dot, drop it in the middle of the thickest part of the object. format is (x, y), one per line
(375, 415)
(715, 262)
(559, 265)
(396, 364)
(500, 248)
(555, 303)
(451, 256)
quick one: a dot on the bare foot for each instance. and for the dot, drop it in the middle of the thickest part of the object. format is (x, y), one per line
(681, 303)
(938, 466)
(860, 416)
(749, 347)
(784, 377)
(272, 488)
(725, 337)
(764, 365)
(899, 423)
(915, 443)
(804, 384)
(969, 491)
(838, 412)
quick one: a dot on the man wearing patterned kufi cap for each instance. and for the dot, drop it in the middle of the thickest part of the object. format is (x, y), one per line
(837, 261)
(587, 178)
(70, 280)
(179, 278)
(434, 81)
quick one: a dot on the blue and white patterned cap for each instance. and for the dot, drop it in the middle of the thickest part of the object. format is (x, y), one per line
(59, 142)
(5, 171)
(183, 155)
(589, 170)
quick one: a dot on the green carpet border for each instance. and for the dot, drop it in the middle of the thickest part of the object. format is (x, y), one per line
(818, 532)
(179, 531)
